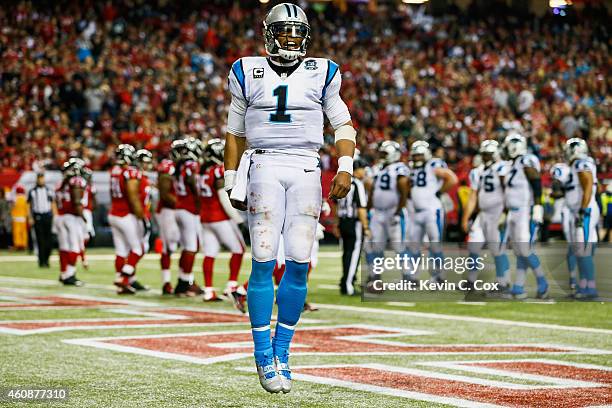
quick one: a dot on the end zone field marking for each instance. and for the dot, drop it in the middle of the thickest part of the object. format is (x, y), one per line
(471, 319)
(25, 332)
(132, 302)
(524, 360)
(393, 392)
(472, 367)
(165, 317)
(463, 302)
(8, 300)
(239, 339)
(154, 353)
(425, 383)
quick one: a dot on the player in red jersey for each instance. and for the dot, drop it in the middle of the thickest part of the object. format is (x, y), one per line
(69, 220)
(89, 203)
(144, 162)
(125, 217)
(219, 222)
(166, 216)
(188, 212)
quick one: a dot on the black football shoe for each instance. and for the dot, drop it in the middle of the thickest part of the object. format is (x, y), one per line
(72, 281)
(182, 288)
(139, 286)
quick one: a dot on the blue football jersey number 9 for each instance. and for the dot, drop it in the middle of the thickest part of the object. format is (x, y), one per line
(281, 105)
(385, 182)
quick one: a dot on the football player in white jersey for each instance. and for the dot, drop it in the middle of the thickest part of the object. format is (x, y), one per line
(387, 200)
(524, 212)
(430, 177)
(580, 193)
(487, 197)
(560, 173)
(277, 109)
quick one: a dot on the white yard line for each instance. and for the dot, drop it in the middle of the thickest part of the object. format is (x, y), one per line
(463, 302)
(471, 319)
(401, 304)
(328, 287)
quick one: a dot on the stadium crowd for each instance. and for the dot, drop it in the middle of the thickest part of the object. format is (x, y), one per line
(77, 80)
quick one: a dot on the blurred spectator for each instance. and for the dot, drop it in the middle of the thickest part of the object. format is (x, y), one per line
(79, 79)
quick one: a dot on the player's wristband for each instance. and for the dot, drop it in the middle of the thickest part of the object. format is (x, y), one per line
(229, 179)
(345, 163)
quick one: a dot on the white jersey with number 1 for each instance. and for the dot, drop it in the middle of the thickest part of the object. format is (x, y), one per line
(286, 111)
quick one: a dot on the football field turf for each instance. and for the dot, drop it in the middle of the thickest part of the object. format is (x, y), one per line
(148, 350)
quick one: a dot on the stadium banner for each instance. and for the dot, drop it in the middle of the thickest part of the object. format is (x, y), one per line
(469, 272)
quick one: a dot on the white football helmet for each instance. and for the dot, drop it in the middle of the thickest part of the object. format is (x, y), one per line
(420, 148)
(489, 150)
(515, 145)
(575, 148)
(390, 152)
(290, 21)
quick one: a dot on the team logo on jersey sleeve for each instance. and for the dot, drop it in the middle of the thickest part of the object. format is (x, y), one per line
(310, 64)
(258, 73)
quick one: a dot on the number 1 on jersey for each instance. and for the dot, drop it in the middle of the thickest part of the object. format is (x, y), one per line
(281, 105)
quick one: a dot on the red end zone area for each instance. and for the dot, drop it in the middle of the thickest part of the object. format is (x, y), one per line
(55, 302)
(513, 382)
(344, 340)
(142, 318)
(562, 384)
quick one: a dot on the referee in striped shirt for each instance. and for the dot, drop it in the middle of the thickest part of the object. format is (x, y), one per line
(353, 225)
(41, 203)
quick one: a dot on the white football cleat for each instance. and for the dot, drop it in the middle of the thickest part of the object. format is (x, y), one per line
(268, 377)
(284, 372)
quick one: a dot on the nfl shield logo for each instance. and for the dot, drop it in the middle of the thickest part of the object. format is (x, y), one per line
(310, 64)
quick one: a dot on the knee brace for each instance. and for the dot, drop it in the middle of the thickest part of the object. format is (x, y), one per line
(299, 238)
(264, 240)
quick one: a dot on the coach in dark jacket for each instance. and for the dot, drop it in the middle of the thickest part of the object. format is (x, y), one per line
(41, 203)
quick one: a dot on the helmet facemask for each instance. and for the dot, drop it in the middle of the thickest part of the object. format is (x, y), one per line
(214, 151)
(389, 152)
(420, 153)
(489, 151)
(287, 39)
(144, 159)
(515, 145)
(124, 154)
